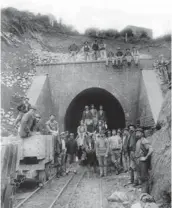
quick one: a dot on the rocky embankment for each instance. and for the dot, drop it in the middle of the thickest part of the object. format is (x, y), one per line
(161, 158)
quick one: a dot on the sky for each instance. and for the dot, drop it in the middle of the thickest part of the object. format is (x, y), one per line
(103, 14)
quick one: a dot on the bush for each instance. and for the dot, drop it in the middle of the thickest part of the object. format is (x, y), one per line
(92, 32)
(128, 31)
(19, 22)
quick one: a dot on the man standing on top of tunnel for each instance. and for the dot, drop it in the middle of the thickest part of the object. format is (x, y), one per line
(95, 48)
(142, 158)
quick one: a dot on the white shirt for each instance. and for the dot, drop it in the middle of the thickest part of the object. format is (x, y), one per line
(115, 142)
(63, 145)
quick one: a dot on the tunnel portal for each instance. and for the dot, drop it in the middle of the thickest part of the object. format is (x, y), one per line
(97, 96)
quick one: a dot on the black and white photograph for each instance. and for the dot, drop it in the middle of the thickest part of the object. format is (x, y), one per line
(85, 104)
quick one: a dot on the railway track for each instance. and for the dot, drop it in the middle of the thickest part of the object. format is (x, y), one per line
(67, 192)
(64, 197)
(52, 193)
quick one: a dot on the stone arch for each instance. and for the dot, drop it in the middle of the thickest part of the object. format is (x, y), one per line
(97, 96)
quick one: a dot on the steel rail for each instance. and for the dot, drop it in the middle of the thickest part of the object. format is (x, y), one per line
(64, 187)
(76, 186)
(28, 197)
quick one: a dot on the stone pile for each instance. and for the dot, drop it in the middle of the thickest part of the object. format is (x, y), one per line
(12, 78)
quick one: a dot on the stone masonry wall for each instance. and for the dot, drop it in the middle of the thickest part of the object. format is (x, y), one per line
(67, 80)
(145, 114)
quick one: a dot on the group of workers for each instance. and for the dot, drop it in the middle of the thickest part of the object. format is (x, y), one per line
(125, 150)
(98, 49)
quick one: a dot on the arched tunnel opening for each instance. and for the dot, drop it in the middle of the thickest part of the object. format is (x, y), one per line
(97, 96)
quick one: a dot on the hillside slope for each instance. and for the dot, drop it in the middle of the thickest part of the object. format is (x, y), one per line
(23, 47)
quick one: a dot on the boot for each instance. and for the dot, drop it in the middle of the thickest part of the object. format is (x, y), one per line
(145, 187)
(105, 171)
(131, 175)
(101, 171)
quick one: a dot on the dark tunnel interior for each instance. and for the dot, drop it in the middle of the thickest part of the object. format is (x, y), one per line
(97, 96)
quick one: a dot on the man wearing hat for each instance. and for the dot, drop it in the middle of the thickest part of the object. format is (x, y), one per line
(86, 115)
(115, 146)
(63, 153)
(125, 153)
(36, 126)
(142, 158)
(87, 50)
(131, 148)
(23, 108)
(119, 57)
(102, 149)
(128, 57)
(27, 122)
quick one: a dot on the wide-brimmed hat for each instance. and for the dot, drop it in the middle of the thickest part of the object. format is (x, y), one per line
(126, 129)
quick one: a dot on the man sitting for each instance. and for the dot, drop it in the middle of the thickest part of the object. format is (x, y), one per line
(110, 57)
(52, 126)
(23, 108)
(119, 57)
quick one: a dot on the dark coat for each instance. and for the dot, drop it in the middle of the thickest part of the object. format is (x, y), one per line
(101, 115)
(132, 142)
(71, 147)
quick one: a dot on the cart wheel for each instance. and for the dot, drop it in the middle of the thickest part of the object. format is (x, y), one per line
(48, 171)
(8, 199)
(42, 176)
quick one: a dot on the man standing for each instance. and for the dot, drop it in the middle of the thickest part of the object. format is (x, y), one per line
(93, 112)
(115, 145)
(86, 115)
(95, 48)
(87, 50)
(71, 147)
(132, 147)
(119, 57)
(73, 50)
(136, 55)
(102, 149)
(101, 114)
(102, 47)
(125, 154)
(142, 157)
(23, 108)
(63, 152)
(27, 122)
